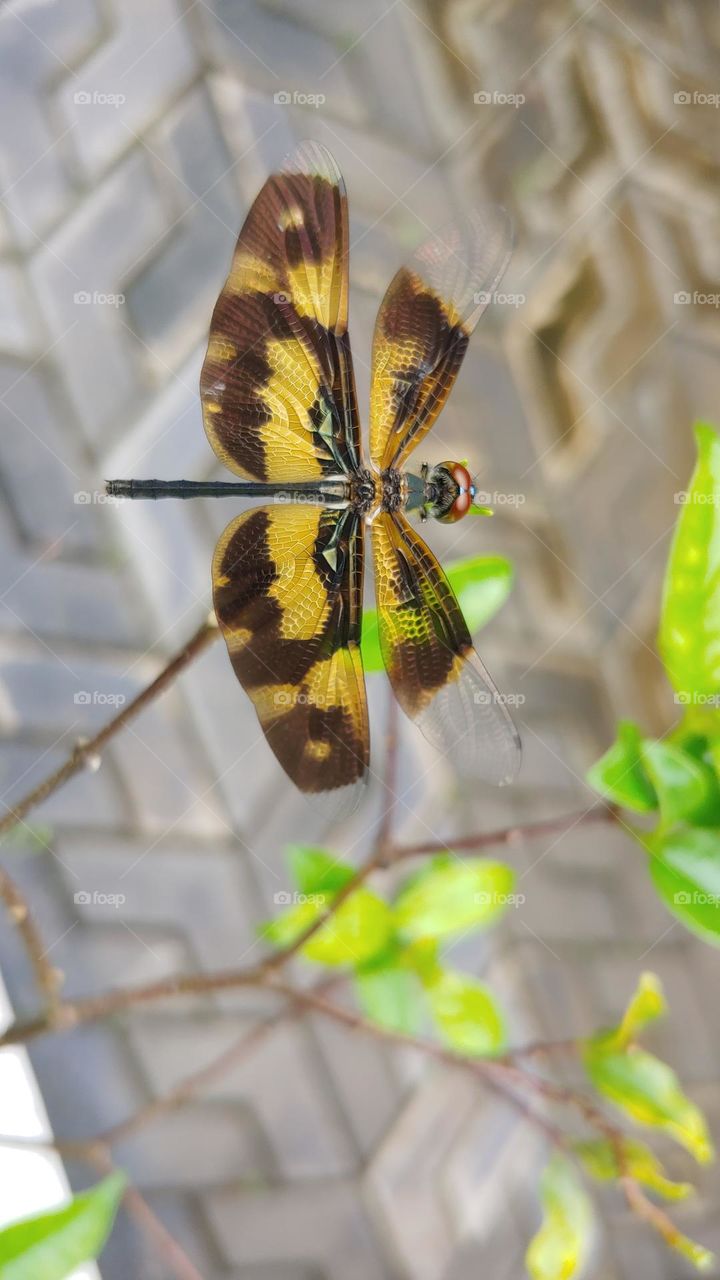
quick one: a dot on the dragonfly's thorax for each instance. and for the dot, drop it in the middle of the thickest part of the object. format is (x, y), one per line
(373, 491)
(393, 489)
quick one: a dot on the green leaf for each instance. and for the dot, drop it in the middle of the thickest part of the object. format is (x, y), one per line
(700, 1257)
(689, 638)
(284, 929)
(619, 774)
(466, 1014)
(390, 994)
(51, 1245)
(450, 897)
(648, 1092)
(686, 787)
(645, 1005)
(481, 584)
(561, 1246)
(359, 930)
(685, 869)
(316, 870)
(600, 1159)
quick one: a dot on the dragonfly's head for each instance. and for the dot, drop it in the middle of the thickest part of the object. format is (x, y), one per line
(450, 491)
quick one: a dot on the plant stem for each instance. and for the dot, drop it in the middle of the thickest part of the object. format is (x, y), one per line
(85, 751)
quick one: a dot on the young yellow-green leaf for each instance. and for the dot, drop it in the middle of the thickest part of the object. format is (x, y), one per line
(360, 929)
(701, 1258)
(51, 1245)
(316, 870)
(561, 1247)
(685, 869)
(285, 928)
(689, 638)
(450, 897)
(646, 1003)
(600, 1159)
(649, 1093)
(466, 1014)
(619, 774)
(481, 584)
(686, 788)
(390, 994)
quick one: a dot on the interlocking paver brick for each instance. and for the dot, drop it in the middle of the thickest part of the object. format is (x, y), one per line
(322, 1154)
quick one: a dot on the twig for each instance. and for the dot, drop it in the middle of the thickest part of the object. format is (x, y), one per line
(47, 977)
(92, 748)
(511, 835)
(136, 1205)
(196, 1081)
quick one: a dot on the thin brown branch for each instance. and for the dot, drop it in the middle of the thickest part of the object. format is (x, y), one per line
(139, 1209)
(91, 749)
(47, 977)
(512, 835)
(196, 1081)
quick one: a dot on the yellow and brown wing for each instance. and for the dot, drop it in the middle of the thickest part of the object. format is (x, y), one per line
(436, 675)
(287, 589)
(422, 329)
(277, 386)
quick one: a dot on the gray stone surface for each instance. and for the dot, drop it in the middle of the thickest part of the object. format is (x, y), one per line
(132, 139)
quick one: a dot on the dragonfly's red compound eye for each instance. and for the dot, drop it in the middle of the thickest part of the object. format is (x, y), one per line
(461, 503)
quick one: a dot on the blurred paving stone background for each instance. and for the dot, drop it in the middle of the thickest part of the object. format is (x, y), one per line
(132, 139)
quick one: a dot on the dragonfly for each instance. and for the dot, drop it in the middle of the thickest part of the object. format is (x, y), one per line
(280, 411)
